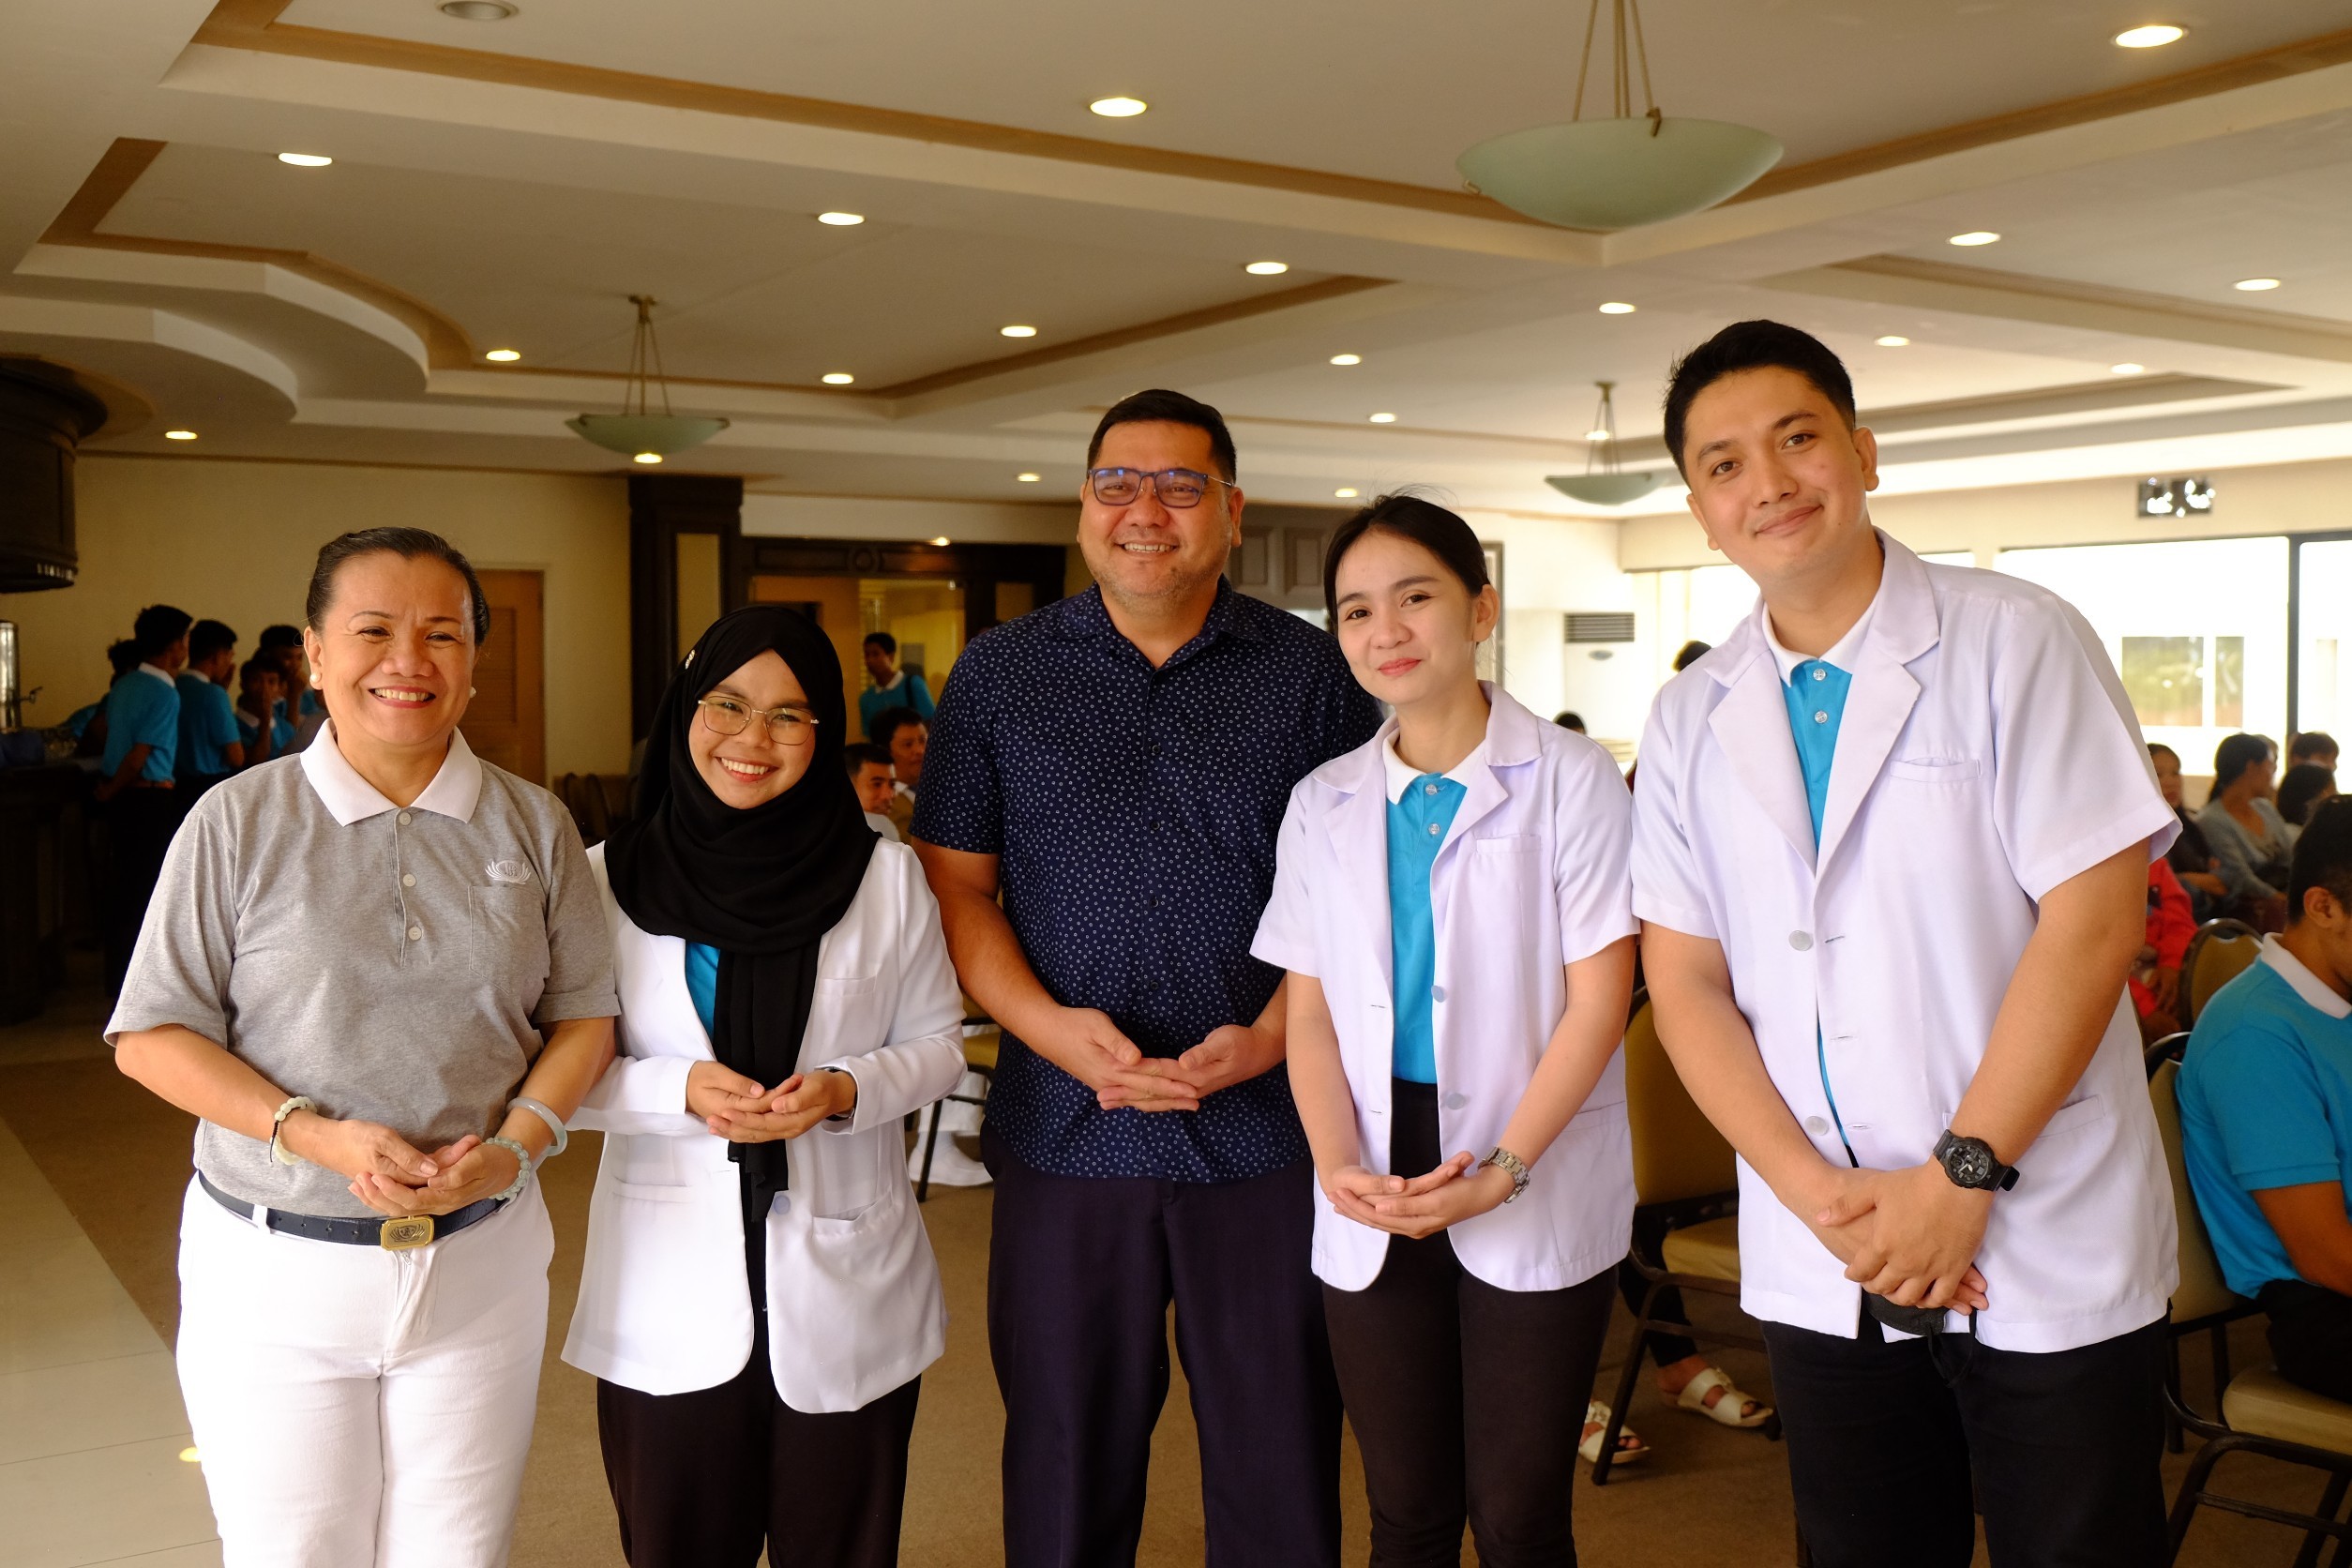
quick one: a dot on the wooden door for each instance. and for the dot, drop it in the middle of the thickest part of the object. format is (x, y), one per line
(506, 721)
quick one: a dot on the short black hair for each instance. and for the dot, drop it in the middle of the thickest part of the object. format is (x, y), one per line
(1408, 516)
(887, 724)
(2323, 857)
(1160, 406)
(861, 754)
(883, 640)
(158, 628)
(407, 543)
(277, 636)
(258, 665)
(2236, 754)
(2156, 747)
(2300, 789)
(124, 656)
(1568, 719)
(1754, 345)
(207, 638)
(2310, 744)
(1691, 653)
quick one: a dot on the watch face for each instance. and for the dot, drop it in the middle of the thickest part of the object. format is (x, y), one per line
(1969, 1161)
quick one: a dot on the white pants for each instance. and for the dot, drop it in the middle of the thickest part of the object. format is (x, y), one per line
(357, 1408)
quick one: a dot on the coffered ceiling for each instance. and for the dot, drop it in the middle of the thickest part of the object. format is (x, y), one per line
(509, 184)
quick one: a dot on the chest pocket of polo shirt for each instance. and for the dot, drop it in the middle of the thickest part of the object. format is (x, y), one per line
(511, 936)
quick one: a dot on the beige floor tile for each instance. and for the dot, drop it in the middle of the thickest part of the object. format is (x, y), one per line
(59, 1304)
(100, 1504)
(203, 1554)
(89, 1404)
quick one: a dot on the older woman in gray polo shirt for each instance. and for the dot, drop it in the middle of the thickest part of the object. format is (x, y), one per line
(379, 974)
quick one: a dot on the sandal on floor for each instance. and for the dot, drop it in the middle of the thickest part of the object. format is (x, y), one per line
(1631, 1450)
(1725, 1411)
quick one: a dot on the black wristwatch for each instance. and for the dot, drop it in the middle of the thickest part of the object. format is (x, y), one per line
(1969, 1163)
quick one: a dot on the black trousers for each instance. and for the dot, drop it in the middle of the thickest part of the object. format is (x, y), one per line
(1082, 1271)
(1894, 1445)
(704, 1480)
(2311, 1336)
(1466, 1400)
(139, 827)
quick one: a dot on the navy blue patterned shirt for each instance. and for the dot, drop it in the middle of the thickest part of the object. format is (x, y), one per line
(1136, 811)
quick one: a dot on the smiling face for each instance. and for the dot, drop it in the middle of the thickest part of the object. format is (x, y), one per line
(874, 786)
(752, 768)
(906, 745)
(393, 658)
(1777, 479)
(1410, 627)
(1145, 553)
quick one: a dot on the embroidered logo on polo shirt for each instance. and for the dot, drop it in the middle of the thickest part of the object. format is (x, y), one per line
(508, 871)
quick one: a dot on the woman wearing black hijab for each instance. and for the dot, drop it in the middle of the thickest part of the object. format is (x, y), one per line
(759, 1300)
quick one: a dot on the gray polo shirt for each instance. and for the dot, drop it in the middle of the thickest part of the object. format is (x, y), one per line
(395, 965)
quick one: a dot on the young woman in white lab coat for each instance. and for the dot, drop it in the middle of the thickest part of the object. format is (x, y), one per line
(1451, 901)
(759, 1300)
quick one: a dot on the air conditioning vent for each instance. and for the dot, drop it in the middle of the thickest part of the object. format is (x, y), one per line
(1601, 626)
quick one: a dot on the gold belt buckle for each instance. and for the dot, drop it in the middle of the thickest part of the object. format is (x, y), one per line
(398, 1235)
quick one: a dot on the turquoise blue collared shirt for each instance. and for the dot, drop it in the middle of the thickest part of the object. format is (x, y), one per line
(208, 722)
(1421, 808)
(702, 977)
(143, 709)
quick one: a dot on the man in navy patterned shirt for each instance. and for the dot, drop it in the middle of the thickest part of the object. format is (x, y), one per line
(1117, 765)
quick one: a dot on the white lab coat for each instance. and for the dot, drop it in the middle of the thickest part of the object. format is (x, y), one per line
(854, 1307)
(1530, 877)
(1987, 753)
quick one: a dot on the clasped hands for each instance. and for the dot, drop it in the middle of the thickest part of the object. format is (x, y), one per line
(1418, 1206)
(1909, 1235)
(738, 1110)
(1092, 1048)
(393, 1176)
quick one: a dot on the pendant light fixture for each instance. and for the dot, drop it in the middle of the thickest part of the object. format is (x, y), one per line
(637, 431)
(1625, 171)
(1602, 482)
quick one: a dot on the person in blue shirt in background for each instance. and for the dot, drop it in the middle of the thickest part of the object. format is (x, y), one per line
(143, 740)
(2266, 1117)
(893, 687)
(211, 745)
(261, 698)
(87, 725)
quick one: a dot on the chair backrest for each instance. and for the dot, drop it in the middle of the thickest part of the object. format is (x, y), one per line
(2167, 1049)
(1677, 1154)
(2202, 1291)
(2220, 952)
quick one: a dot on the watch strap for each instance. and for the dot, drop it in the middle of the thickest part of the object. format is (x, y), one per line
(1512, 1166)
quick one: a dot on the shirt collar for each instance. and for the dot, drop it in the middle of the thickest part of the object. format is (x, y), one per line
(349, 798)
(896, 677)
(1399, 776)
(2308, 986)
(197, 675)
(1842, 657)
(1085, 616)
(158, 674)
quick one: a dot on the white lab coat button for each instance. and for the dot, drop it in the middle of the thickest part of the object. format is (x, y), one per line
(1437, 993)
(1800, 939)
(1818, 1125)
(1456, 1100)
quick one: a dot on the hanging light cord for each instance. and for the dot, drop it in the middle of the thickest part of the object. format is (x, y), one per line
(645, 362)
(1621, 76)
(1601, 456)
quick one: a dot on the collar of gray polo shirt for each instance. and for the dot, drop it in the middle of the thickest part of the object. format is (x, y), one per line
(762, 885)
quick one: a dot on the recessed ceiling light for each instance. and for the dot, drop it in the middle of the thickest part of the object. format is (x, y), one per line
(1616, 307)
(1894, 340)
(1347, 359)
(1346, 493)
(179, 435)
(1384, 419)
(837, 378)
(2128, 368)
(941, 540)
(647, 457)
(305, 161)
(504, 357)
(1028, 478)
(2256, 285)
(1017, 331)
(841, 220)
(1976, 236)
(1119, 108)
(478, 10)
(1267, 269)
(2154, 36)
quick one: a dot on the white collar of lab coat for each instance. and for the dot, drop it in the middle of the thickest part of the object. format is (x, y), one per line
(349, 798)
(2308, 986)
(1513, 736)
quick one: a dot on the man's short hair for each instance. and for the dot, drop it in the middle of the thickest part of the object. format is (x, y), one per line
(883, 640)
(252, 670)
(277, 636)
(207, 638)
(158, 628)
(865, 754)
(1160, 406)
(124, 656)
(2310, 745)
(1568, 719)
(2323, 857)
(1691, 653)
(887, 724)
(1755, 345)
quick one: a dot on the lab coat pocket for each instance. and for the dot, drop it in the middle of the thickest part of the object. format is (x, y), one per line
(1936, 770)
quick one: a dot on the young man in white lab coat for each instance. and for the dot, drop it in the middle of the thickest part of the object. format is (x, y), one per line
(1890, 850)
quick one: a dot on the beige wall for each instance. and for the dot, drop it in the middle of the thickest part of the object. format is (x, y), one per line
(235, 540)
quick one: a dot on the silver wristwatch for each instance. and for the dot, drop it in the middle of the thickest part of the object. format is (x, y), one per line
(1511, 1163)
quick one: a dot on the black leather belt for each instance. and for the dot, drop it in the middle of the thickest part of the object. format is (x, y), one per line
(393, 1235)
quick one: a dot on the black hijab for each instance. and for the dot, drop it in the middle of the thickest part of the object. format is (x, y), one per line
(762, 885)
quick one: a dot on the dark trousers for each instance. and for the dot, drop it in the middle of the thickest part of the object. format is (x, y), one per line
(703, 1480)
(139, 827)
(1650, 1233)
(1894, 1445)
(1082, 1271)
(2311, 1336)
(1466, 1400)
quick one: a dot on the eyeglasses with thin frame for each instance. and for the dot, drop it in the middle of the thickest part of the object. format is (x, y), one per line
(784, 725)
(1179, 488)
